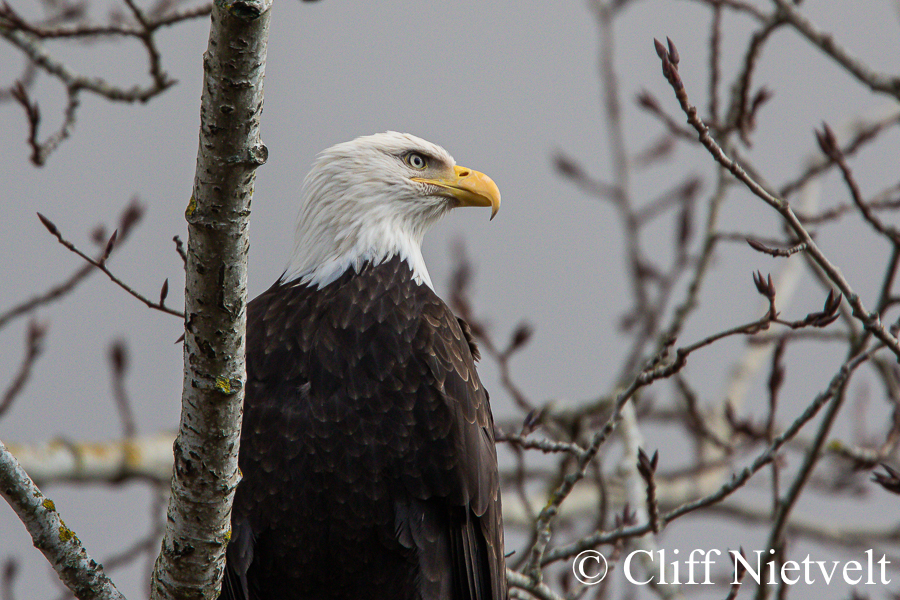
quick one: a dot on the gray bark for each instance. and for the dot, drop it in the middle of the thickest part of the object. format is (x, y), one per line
(59, 544)
(206, 474)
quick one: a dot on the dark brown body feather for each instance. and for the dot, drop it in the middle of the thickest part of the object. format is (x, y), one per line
(367, 452)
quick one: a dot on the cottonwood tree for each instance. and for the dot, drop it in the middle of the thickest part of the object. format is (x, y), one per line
(602, 474)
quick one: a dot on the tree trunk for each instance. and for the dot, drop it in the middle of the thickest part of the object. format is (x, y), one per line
(206, 474)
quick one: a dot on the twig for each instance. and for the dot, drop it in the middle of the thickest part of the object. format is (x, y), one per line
(828, 143)
(111, 29)
(739, 6)
(26, 78)
(715, 52)
(462, 306)
(655, 152)
(842, 209)
(785, 504)
(118, 358)
(870, 320)
(833, 534)
(660, 368)
(179, 248)
(29, 38)
(740, 572)
(544, 445)
(647, 469)
(101, 264)
(537, 589)
(864, 134)
(760, 247)
(130, 217)
(8, 579)
(889, 480)
(569, 168)
(695, 420)
(680, 195)
(41, 150)
(648, 102)
(738, 480)
(33, 348)
(34, 50)
(877, 82)
(741, 115)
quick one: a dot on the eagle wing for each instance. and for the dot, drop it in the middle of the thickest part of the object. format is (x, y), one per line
(365, 422)
(459, 508)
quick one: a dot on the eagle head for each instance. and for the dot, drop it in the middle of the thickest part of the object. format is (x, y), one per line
(373, 198)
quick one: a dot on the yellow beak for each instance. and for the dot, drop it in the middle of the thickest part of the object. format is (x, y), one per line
(468, 188)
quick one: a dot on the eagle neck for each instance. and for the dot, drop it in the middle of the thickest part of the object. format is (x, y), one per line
(333, 268)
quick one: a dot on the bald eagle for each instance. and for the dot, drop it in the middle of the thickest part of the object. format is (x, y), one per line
(367, 450)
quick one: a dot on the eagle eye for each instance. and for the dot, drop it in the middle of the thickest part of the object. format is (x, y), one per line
(415, 160)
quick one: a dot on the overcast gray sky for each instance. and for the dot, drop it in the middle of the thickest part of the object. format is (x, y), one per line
(502, 85)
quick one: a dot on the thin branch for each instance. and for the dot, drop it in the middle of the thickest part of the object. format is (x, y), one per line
(836, 212)
(738, 6)
(145, 458)
(101, 265)
(715, 56)
(29, 39)
(740, 115)
(760, 247)
(864, 134)
(737, 481)
(870, 320)
(41, 150)
(544, 445)
(112, 29)
(118, 359)
(8, 579)
(35, 51)
(877, 82)
(647, 470)
(679, 195)
(536, 589)
(179, 248)
(569, 168)
(786, 504)
(829, 145)
(130, 217)
(33, 347)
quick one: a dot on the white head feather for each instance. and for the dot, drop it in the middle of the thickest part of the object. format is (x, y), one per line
(360, 204)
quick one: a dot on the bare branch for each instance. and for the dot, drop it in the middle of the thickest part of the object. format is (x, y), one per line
(33, 348)
(101, 265)
(147, 458)
(828, 143)
(738, 479)
(877, 82)
(870, 320)
(760, 247)
(71, 561)
(130, 217)
(118, 358)
(29, 37)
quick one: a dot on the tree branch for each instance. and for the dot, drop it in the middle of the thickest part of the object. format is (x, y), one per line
(59, 544)
(63, 461)
(870, 320)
